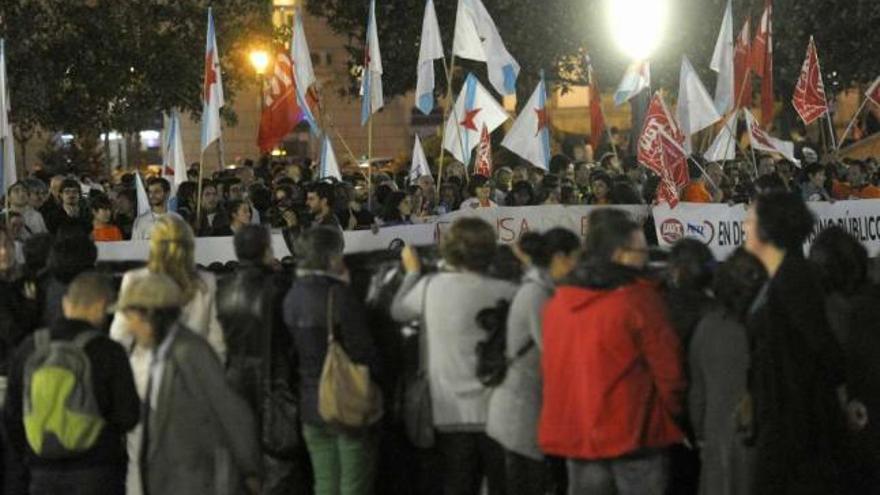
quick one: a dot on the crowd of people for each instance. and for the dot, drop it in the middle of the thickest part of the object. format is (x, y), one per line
(560, 365)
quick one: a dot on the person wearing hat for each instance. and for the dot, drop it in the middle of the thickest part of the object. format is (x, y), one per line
(197, 434)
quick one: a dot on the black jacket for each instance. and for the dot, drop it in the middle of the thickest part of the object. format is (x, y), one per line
(796, 366)
(114, 391)
(305, 314)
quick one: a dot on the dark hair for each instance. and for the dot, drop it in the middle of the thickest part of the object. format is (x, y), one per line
(251, 243)
(390, 211)
(769, 183)
(783, 220)
(36, 251)
(624, 193)
(600, 175)
(541, 248)
(233, 206)
(813, 169)
(559, 164)
(691, 265)
(161, 320)
(89, 288)
(737, 282)
(316, 248)
(324, 190)
(206, 183)
(522, 186)
(70, 184)
(163, 182)
(470, 244)
(72, 253)
(186, 193)
(608, 230)
(841, 259)
(100, 202)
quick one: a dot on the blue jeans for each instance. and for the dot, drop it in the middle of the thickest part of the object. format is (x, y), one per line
(642, 473)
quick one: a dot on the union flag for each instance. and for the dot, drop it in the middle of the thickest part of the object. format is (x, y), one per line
(809, 94)
(281, 110)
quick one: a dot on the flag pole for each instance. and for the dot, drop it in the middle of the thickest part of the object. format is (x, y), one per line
(199, 196)
(608, 132)
(853, 120)
(830, 127)
(220, 153)
(447, 69)
(370, 163)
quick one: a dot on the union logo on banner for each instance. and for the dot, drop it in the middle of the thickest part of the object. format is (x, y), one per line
(809, 94)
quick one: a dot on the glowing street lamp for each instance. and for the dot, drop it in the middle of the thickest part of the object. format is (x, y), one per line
(260, 61)
(637, 25)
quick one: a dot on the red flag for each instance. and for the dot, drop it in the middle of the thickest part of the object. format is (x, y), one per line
(742, 65)
(483, 164)
(661, 151)
(597, 118)
(281, 112)
(873, 92)
(762, 62)
(809, 94)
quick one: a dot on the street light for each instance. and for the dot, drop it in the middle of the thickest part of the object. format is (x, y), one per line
(260, 61)
(637, 25)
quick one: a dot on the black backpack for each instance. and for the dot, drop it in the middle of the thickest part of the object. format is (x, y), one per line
(492, 362)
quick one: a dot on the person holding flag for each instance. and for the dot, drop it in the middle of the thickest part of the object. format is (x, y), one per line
(212, 102)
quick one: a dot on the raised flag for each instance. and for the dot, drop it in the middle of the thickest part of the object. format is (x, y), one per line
(477, 38)
(658, 122)
(597, 117)
(430, 49)
(483, 162)
(762, 62)
(419, 165)
(8, 174)
(372, 99)
(329, 166)
(873, 92)
(762, 141)
(303, 72)
(809, 94)
(724, 145)
(143, 201)
(173, 161)
(636, 79)
(695, 110)
(474, 107)
(530, 135)
(673, 172)
(742, 67)
(281, 110)
(212, 88)
(722, 63)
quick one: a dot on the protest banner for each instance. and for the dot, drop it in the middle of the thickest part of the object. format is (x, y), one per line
(720, 226)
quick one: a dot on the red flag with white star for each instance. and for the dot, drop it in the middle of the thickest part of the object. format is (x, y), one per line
(809, 94)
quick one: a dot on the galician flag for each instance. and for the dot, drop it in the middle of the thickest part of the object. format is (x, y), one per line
(212, 89)
(474, 107)
(143, 201)
(329, 165)
(8, 174)
(636, 79)
(303, 73)
(173, 161)
(431, 49)
(724, 145)
(419, 166)
(530, 135)
(477, 38)
(695, 110)
(722, 63)
(372, 98)
(765, 142)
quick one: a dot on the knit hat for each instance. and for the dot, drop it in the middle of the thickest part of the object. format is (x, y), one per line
(152, 291)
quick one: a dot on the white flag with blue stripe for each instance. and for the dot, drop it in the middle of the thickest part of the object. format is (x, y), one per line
(431, 49)
(372, 98)
(419, 166)
(303, 72)
(173, 161)
(143, 201)
(636, 79)
(212, 88)
(329, 165)
(530, 135)
(477, 38)
(474, 107)
(8, 174)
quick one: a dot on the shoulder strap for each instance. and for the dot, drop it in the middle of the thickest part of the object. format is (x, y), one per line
(524, 349)
(42, 339)
(330, 308)
(83, 339)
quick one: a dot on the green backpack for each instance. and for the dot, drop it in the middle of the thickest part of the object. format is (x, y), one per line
(61, 415)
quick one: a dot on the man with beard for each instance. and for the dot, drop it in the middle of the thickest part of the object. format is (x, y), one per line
(157, 194)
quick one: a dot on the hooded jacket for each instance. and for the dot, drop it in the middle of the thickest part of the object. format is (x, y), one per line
(613, 379)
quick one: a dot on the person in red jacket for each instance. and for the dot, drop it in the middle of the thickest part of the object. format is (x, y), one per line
(612, 366)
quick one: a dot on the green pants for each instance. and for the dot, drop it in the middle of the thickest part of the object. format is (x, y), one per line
(343, 464)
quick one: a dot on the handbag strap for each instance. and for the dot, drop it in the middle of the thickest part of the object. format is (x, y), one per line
(423, 329)
(330, 335)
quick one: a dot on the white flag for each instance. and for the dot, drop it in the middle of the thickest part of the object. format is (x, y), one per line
(8, 174)
(477, 38)
(173, 161)
(212, 88)
(474, 107)
(303, 72)
(762, 141)
(143, 201)
(724, 146)
(329, 165)
(695, 110)
(722, 63)
(372, 98)
(419, 166)
(431, 49)
(530, 135)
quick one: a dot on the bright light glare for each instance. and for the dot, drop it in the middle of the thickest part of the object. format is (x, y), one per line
(637, 25)
(260, 61)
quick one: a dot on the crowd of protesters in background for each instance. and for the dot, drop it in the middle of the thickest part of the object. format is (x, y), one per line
(594, 365)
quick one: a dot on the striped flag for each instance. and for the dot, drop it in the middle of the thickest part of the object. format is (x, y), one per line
(212, 89)
(372, 99)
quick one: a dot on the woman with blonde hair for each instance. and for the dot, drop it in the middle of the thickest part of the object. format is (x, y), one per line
(172, 247)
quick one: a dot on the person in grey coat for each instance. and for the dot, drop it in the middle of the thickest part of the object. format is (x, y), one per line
(515, 405)
(198, 436)
(719, 359)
